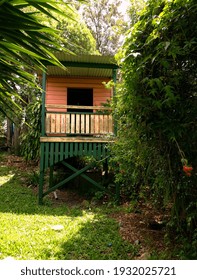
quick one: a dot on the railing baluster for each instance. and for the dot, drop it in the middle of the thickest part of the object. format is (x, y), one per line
(72, 123)
(105, 124)
(92, 124)
(101, 124)
(110, 124)
(48, 123)
(62, 126)
(78, 123)
(87, 124)
(53, 119)
(67, 123)
(83, 124)
(97, 124)
(58, 123)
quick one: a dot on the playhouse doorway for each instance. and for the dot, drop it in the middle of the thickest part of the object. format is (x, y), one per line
(80, 97)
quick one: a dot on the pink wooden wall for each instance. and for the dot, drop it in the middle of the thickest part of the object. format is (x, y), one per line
(56, 89)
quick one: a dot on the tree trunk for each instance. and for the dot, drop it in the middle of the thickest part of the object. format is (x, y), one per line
(9, 134)
(15, 140)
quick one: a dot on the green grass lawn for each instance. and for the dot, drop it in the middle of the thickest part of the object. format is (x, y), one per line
(30, 232)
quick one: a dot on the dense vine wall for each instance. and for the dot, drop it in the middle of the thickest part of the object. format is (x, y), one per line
(157, 110)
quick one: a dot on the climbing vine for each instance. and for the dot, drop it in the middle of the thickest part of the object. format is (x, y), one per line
(30, 138)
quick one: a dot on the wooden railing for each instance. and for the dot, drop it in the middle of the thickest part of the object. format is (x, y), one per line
(83, 120)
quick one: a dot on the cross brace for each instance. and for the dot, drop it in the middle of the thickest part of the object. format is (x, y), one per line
(79, 172)
(71, 177)
(84, 176)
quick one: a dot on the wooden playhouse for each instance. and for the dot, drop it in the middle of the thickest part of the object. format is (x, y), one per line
(76, 120)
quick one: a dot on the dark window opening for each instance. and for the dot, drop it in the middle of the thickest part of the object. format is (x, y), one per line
(80, 97)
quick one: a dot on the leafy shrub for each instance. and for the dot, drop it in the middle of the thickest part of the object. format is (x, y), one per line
(30, 138)
(156, 110)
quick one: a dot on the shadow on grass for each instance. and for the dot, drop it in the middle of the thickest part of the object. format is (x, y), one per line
(96, 240)
(17, 198)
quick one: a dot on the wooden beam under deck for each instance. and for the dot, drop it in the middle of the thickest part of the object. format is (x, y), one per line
(76, 139)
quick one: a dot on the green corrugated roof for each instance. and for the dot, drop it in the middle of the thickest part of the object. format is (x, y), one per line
(83, 65)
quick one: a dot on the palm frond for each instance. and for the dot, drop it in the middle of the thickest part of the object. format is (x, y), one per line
(25, 42)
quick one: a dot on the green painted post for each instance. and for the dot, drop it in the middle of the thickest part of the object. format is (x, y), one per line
(46, 155)
(114, 76)
(67, 145)
(43, 103)
(52, 149)
(57, 158)
(41, 181)
(61, 151)
(42, 166)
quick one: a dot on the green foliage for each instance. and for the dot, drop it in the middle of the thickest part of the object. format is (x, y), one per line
(2, 129)
(76, 35)
(30, 138)
(156, 109)
(25, 44)
(106, 23)
(187, 250)
(134, 10)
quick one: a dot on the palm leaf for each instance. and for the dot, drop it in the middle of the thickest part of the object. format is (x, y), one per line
(25, 42)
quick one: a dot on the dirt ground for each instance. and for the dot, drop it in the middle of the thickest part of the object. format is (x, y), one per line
(145, 229)
(142, 225)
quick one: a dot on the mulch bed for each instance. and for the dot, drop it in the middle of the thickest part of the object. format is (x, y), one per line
(145, 229)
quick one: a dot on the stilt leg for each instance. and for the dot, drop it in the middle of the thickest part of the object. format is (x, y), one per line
(41, 182)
